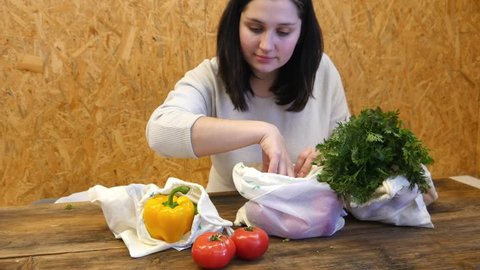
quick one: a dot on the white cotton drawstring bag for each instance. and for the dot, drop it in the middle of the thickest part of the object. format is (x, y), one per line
(287, 207)
(394, 202)
(122, 207)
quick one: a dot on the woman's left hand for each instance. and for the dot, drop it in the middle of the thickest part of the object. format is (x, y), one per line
(304, 162)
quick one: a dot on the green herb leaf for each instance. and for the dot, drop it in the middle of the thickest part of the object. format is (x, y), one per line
(368, 149)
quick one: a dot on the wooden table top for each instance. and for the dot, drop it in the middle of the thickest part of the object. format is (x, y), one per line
(52, 237)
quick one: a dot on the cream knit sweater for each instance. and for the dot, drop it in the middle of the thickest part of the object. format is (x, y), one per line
(201, 93)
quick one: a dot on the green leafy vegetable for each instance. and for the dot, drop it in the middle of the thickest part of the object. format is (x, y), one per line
(368, 149)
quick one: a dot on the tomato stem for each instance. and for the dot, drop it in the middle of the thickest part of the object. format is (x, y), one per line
(215, 237)
(249, 228)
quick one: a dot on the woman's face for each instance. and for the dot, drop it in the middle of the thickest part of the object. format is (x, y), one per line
(269, 31)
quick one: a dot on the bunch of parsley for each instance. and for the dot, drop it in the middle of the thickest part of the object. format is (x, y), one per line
(368, 149)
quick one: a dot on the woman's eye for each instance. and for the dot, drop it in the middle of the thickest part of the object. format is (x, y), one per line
(255, 29)
(283, 32)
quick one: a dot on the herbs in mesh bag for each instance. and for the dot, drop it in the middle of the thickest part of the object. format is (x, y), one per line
(378, 168)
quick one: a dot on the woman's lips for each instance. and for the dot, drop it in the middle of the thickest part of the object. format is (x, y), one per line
(264, 59)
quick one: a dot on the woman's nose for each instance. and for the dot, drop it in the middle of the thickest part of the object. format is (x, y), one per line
(266, 42)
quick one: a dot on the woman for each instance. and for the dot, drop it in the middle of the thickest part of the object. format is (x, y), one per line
(268, 97)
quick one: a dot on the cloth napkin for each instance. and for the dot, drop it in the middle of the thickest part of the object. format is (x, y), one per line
(122, 207)
(288, 207)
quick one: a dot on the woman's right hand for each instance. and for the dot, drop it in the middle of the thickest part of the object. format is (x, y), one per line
(275, 154)
(213, 135)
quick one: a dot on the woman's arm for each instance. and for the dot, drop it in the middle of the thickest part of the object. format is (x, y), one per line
(214, 135)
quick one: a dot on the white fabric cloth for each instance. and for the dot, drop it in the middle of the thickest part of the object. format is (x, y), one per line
(122, 207)
(288, 207)
(395, 203)
(201, 92)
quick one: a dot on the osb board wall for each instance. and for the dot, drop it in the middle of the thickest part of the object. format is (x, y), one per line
(477, 172)
(478, 145)
(79, 79)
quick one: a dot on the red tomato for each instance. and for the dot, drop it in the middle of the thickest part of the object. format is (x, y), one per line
(213, 250)
(251, 242)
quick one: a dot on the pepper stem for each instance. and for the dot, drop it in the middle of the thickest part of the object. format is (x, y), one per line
(170, 203)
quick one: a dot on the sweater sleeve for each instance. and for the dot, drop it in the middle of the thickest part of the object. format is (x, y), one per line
(339, 106)
(168, 130)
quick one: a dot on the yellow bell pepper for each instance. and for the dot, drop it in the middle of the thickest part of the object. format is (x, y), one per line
(168, 218)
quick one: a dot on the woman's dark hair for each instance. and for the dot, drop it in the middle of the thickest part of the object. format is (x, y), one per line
(294, 84)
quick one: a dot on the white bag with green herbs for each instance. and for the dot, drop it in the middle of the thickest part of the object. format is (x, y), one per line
(378, 168)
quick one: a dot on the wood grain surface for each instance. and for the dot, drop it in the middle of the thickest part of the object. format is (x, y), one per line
(52, 237)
